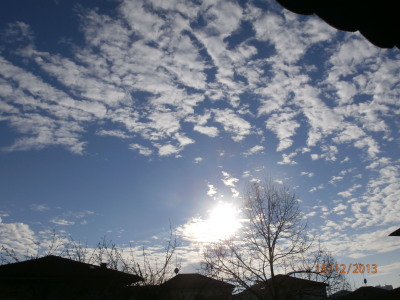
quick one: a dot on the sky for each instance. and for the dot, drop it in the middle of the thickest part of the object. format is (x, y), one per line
(123, 118)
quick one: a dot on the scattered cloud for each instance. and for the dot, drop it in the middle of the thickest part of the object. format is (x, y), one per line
(335, 179)
(339, 209)
(207, 130)
(308, 174)
(232, 123)
(198, 160)
(167, 150)
(246, 174)
(348, 193)
(284, 126)
(19, 237)
(167, 62)
(230, 181)
(142, 149)
(62, 222)
(316, 188)
(39, 207)
(19, 32)
(211, 190)
(287, 159)
(114, 133)
(254, 150)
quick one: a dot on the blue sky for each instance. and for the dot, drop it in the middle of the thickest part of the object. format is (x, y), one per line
(118, 118)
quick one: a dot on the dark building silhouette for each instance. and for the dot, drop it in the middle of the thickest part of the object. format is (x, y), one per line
(395, 233)
(288, 288)
(54, 277)
(377, 21)
(196, 286)
(372, 293)
(339, 294)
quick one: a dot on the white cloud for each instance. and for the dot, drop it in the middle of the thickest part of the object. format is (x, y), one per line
(230, 181)
(114, 133)
(330, 152)
(198, 160)
(207, 130)
(61, 222)
(348, 193)
(167, 61)
(308, 174)
(232, 123)
(254, 150)
(351, 54)
(166, 150)
(287, 159)
(246, 174)
(211, 190)
(315, 188)
(183, 140)
(19, 237)
(370, 144)
(19, 32)
(288, 32)
(39, 207)
(335, 179)
(284, 126)
(361, 244)
(142, 149)
(389, 269)
(310, 214)
(340, 207)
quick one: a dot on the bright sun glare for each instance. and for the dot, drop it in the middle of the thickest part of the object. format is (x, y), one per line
(222, 222)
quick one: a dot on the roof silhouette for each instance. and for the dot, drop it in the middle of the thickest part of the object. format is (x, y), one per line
(377, 21)
(288, 285)
(395, 233)
(372, 293)
(195, 281)
(285, 280)
(58, 268)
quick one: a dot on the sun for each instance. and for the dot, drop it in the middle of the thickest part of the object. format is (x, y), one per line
(223, 221)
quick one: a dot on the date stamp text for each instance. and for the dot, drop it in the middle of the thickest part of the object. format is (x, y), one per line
(347, 268)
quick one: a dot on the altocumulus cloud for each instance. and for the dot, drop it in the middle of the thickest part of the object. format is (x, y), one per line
(164, 53)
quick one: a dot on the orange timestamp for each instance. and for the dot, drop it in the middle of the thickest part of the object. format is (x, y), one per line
(347, 268)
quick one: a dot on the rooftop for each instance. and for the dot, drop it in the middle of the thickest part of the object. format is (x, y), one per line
(377, 21)
(195, 281)
(53, 267)
(395, 233)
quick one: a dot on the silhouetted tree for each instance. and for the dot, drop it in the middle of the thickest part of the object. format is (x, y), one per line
(154, 266)
(306, 267)
(273, 240)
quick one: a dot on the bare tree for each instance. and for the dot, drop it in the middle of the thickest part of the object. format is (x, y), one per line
(273, 240)
(154, 270)
(320, 265)
(154, 265)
